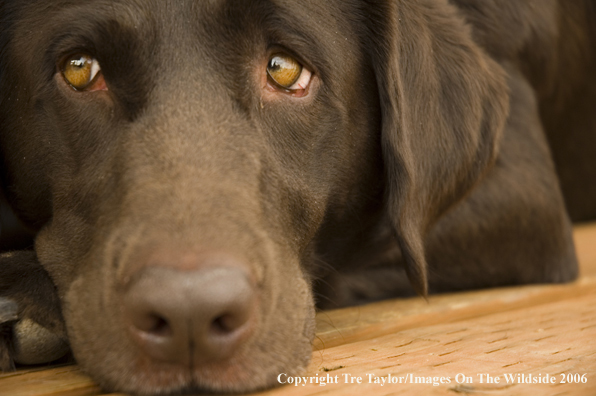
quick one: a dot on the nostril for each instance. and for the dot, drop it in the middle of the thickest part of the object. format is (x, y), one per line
(219, 326)
(156, 325)
(226, 324)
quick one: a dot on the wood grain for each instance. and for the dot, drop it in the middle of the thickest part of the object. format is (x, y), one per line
(551, 338)
(538, 330)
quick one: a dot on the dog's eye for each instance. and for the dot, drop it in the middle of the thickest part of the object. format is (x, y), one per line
(81, 71)
(288, 73)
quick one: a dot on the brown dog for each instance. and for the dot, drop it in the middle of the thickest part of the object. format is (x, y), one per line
(196, 174)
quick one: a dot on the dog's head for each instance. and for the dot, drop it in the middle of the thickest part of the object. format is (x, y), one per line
(186, 161)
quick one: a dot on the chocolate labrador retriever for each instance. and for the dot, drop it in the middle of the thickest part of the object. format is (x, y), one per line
(184, 180)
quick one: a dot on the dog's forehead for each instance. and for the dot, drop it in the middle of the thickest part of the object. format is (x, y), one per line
(174, 16)
(215, 30)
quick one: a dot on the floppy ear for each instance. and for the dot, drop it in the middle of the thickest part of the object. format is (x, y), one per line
(444, 106)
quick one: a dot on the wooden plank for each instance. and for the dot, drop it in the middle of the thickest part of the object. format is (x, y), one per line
(557, 338)
(353, 324)
(63, 381)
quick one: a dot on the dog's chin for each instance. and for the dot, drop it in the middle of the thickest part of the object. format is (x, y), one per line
(239, 376)
(253, 370)
(256, 367)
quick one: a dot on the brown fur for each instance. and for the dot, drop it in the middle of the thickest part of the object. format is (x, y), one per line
(421, 148)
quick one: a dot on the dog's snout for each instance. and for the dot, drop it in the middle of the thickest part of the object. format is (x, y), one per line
(190, 317)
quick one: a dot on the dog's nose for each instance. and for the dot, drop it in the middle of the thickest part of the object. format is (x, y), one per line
(190, 317)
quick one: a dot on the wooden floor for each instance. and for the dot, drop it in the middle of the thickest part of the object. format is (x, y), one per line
(467, 343)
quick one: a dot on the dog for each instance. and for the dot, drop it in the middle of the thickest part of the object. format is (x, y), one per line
(183, 182)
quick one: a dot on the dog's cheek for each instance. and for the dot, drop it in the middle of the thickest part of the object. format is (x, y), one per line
(292, 317)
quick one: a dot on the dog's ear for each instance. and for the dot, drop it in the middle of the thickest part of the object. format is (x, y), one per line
(444, 106)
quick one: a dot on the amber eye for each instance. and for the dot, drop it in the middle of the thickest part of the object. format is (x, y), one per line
(80, 71)
(287, 72)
